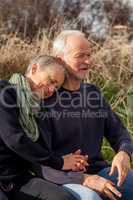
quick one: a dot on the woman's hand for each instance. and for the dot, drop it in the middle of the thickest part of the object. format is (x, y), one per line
(75, 161)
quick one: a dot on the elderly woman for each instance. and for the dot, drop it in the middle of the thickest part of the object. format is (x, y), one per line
(22, 138)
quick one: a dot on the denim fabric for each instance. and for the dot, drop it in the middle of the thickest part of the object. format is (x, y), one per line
(81, 192)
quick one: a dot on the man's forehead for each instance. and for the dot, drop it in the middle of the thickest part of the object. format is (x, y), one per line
(77, 43)
(79, 50)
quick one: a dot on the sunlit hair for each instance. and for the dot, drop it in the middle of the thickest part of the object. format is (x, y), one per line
(60, 41)
(44, 61)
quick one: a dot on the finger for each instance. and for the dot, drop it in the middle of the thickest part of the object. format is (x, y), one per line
(81, 160)
(86, 157)
(79, 156)
(109, 194)
(121, 177)
(79, 166)
(75, 168)
(84, 163)
(112, 170)
(113, 190)
(82, 168)
(77, 152)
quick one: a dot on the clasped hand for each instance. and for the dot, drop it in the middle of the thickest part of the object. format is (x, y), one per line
(75, 161)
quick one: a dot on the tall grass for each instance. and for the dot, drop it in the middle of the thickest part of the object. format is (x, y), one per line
(112, 71)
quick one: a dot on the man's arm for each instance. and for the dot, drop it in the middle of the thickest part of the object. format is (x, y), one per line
(121, 142)
(115, 132)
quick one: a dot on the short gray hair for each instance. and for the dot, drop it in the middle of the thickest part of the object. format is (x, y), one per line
(44, 62)
(61, 40)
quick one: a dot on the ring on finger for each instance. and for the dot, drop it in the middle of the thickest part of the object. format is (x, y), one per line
(82, 161)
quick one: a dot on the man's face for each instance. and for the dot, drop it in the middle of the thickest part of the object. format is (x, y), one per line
(77, 57)
(48, 81)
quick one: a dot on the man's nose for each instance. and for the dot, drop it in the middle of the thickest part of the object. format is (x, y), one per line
(87, 60)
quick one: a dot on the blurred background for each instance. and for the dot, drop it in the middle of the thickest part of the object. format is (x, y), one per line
(28, 27)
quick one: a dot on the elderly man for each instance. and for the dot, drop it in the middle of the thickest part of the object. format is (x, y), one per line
(22, 141)
(80, 118)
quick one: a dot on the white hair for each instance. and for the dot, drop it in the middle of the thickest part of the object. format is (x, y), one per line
(60, 41)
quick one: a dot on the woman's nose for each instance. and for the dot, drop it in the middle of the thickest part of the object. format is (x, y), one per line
(52, 88)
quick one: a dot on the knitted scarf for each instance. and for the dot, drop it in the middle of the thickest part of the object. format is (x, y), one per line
(28, 105)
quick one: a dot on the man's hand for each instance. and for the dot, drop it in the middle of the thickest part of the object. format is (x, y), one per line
(102, 186)
(81, 166)
(75, 161)
(121, 163)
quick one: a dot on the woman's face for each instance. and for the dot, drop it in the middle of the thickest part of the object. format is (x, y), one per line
(48, 81)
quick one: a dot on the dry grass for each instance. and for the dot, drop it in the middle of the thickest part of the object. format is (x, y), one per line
(15, 53)
(114, 60)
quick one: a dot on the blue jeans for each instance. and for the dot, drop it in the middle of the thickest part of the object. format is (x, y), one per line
(81, 192)
(126, 189)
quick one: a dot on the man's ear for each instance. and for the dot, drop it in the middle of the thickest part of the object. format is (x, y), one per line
(34, 68)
